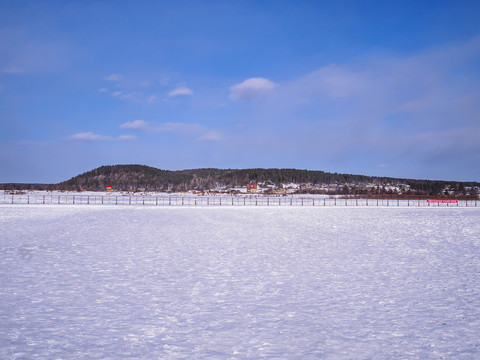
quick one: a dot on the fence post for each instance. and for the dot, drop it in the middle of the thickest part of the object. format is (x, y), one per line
(43, 199)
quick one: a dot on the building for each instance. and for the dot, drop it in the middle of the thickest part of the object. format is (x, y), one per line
(252, 188)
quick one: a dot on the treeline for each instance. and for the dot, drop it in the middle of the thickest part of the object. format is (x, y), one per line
(140, 177)
(135, 177)
(146, 178)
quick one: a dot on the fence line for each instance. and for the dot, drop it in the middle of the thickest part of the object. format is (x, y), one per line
(220, 201)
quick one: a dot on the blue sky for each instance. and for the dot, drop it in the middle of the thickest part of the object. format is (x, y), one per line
(386, 88)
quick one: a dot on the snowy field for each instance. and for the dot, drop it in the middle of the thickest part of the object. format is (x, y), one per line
(106, 282)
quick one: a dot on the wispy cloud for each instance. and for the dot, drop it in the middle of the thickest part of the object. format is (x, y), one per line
(135, 96)
(151, 99)
(113, 77)
(135, 125)
(251, 88)
(130, 96)
(180, 91)
(91, 137)
(212, 135)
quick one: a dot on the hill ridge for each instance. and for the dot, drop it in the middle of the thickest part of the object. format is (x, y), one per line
(132, 177)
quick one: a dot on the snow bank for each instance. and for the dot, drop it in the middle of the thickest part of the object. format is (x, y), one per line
(239, 283)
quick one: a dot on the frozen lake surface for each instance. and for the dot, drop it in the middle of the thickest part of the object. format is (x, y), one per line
(106, 282)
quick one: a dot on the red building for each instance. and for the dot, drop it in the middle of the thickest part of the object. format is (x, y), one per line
(252, 187)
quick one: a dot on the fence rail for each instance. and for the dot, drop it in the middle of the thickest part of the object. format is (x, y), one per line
(220, 201)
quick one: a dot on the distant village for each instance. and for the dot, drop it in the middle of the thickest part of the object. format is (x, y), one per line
(269, 188)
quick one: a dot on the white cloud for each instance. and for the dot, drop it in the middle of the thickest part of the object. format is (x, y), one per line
(113, 77)
(116, 93)
(89, 136)
(180, 91)
(103, 90)
(212, 135)
(135, 125)
(251, 88)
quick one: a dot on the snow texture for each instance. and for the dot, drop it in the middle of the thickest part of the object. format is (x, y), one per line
(106, 282)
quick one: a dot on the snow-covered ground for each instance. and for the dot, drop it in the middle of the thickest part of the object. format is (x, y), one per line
(106, 282)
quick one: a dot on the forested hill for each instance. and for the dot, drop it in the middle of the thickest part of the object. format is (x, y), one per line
(140, 177)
